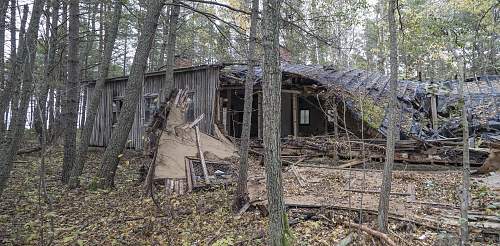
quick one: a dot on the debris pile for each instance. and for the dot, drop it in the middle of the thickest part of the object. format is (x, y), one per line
(183, 158)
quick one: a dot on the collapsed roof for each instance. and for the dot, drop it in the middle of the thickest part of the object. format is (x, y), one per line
(370, 91)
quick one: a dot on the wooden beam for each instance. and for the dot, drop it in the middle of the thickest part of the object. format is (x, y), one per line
(259, 118)
(200, 152)
(291, 91)
(295, 115)
(376, 192)
(229, 111)
(195, 122)
(434, 112)
(351, 163)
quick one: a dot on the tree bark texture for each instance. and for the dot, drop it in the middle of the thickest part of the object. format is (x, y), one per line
(132, 97)
(383, 207)
(271, 87)
(72, 92)
(12, 90)
(464, 208)
(3, 13)
(9, 148)
(241, 196)
(172, 37)
(93, 106)
(48, 66)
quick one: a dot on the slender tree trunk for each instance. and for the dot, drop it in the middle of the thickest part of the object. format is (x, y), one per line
(172, 37)
(58, 127)
(93, 107)
(271, 89)
(132, 97)
(3, 13)
(125, 53)
(13, 90)
(383, 207)
(48, 66)
(72, 92)
(241, 196)
(84, 58)
(9, 149)
(464, 208)
(3, 83)
(165, 31)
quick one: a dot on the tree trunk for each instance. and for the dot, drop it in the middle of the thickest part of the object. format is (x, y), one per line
(172, 37)
(3, 13)
(84, 59)
(241, 196)
(271, 87)
(72, 92)
(464, 208)
(383, 207)
(132, 97)
(4, 85)
(48, 66)
(165, 31)
(13, 91)
(93, 107)
(9, 149)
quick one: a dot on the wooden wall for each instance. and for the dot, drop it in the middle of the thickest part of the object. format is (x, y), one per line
(202, 81)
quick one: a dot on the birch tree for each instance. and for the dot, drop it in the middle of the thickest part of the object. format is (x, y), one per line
(383, 207)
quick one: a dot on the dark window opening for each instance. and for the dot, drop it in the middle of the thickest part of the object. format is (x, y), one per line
(116, 108)
(151, 105)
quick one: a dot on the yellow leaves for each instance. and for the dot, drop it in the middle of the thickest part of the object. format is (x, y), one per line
(224, 242)
(68, 239)
(120, 155)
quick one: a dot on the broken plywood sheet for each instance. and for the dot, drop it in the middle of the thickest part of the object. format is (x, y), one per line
(177, 143)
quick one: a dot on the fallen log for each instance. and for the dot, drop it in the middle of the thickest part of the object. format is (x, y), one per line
(261, 154)
(29, 150)
(352, 163)
(377, 192)
(382, 236)
(339, 168)
(366, 210)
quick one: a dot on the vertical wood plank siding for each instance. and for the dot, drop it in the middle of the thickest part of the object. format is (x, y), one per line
(202, 81)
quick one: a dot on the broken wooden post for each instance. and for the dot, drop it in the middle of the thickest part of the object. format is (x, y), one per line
(259, 117)
(295, 115)
(434, 112)
(229, 112)
(411, 191)
(200, 151)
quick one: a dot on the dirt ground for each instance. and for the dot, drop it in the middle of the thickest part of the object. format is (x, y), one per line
(89, 216)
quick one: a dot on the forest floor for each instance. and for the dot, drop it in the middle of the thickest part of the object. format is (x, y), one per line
(90, 216)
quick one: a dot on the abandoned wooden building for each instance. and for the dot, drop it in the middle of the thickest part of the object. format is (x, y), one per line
(426, 109)
(202, 81)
